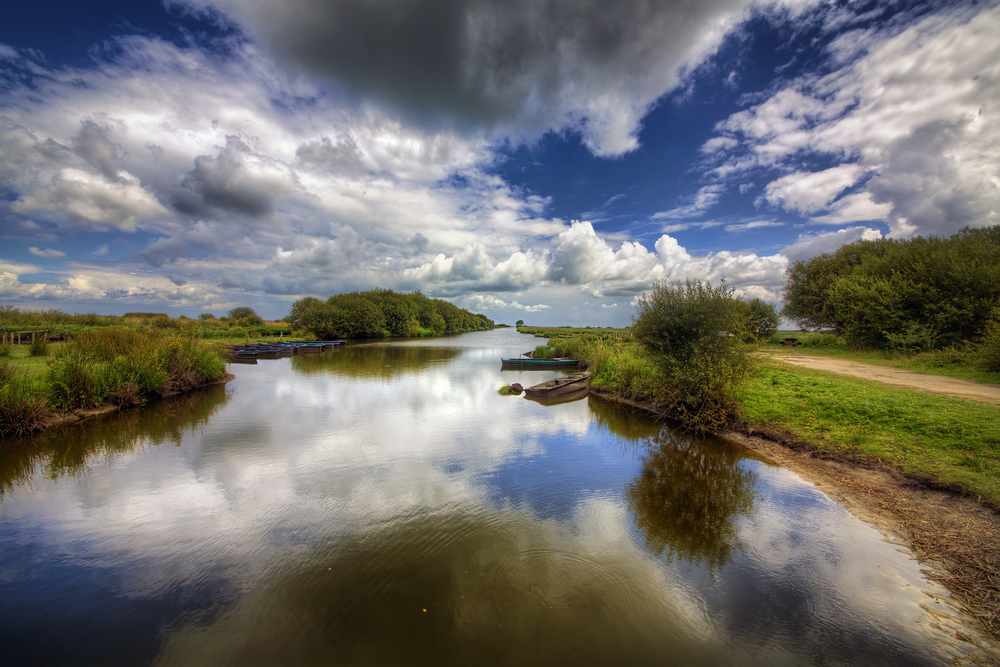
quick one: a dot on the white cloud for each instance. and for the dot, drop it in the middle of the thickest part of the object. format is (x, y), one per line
(48, 253)
(809, 192)
(915, 107)
(858, 207)
(704, 199)
(753, 224)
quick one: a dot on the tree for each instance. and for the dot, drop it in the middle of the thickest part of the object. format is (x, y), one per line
(520, 323)
(762, 319)
(245, 316)
(922, 292)
(206, 316)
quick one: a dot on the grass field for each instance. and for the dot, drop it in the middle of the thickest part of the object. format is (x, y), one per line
(562, 332)
(949, 440)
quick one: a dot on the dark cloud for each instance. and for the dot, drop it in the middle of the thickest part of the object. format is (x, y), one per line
(92, 144)
(237, 180)
(534, 64)
(336, 156)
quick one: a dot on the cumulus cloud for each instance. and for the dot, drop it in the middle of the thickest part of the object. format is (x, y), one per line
(915, 107)
(581, 259)
(71, 195)
(521, 67)
(808, 192)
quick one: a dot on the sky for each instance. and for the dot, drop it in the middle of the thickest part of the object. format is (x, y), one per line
(537, 160)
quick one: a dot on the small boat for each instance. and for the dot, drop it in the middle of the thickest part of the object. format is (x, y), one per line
(540, 364)
(560, 386)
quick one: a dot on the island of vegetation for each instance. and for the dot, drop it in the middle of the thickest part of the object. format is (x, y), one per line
(55, 366)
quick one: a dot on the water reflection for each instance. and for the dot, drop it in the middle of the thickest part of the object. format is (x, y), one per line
(629, 424)
(690, 496)
(67, 450)
(460, 586)
(373, 360)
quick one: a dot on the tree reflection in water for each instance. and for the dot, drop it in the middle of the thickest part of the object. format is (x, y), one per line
(690, 496)
(373, 360)
(67, 450)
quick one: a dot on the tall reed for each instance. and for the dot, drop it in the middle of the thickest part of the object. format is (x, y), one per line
(22, 407)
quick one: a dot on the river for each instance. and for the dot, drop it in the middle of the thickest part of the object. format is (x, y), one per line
(382, 504)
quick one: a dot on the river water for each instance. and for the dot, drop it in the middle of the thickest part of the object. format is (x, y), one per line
(382, 504)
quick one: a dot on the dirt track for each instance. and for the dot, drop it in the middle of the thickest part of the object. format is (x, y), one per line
(936, 384)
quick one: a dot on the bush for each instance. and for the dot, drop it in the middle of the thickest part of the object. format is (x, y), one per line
(5, 349)
(123, 366)
(989, 346)
(913, 295)
(39, 346)
(697, 335)
(22, 408)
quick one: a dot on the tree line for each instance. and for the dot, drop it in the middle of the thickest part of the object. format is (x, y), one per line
(923, 293)
(382, 312)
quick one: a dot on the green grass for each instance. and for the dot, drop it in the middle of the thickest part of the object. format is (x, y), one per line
(948, 440)
(561, 332)
(21, 359)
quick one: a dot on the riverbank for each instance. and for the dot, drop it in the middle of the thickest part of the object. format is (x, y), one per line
(101, 370)
(954, 532)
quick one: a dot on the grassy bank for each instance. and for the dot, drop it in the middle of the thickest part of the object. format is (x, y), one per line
(950, 441)
(108, 366)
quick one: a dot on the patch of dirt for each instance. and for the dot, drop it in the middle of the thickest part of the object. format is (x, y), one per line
(936, 384)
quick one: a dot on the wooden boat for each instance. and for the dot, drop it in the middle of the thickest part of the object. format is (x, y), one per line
(560, 386)
(541, 364)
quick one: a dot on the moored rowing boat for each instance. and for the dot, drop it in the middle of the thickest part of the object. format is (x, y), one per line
(560, 386)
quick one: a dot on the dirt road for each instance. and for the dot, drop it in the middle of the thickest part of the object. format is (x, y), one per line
(976, 391)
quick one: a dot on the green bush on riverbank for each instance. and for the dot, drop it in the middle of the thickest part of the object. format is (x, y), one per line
(123, 367)
(691, 348)
(105, 366)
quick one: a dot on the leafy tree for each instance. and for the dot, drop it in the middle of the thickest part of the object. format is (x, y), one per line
(922, 292)
(245, 316)
(762, 319)
(206, 316)
(520, 323)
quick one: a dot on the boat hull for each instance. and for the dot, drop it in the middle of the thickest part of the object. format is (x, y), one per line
(560, 386)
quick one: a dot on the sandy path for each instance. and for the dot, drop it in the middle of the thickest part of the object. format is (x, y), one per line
(976, 391)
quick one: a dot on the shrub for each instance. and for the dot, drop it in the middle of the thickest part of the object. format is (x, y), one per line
(989, 346)
(74, 381)
(697, 335)
(5, 349)
(22, 408)
(39, 346)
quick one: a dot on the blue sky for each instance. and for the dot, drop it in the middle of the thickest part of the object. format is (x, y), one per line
(544, 160)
